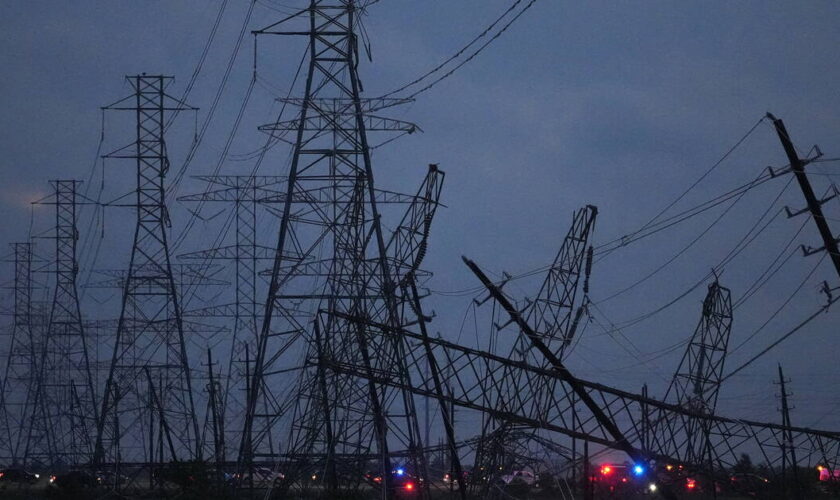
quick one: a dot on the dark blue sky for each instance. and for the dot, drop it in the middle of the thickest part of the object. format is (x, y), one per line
(618, 104)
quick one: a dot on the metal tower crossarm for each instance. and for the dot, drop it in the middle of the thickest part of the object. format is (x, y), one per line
(150, 331)
(66, 402)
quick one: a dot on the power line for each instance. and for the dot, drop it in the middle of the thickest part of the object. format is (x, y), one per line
(680, 217)
(702, 177)
(742, 244)
(205, 51)
(263, 151)
(781, 307)
(600, 249)
(474, 55)
(173, 188)
(678, 254)
(765, 276)
(783, 337)
(459, 52)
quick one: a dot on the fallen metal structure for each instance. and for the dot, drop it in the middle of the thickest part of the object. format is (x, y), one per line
(334, 354)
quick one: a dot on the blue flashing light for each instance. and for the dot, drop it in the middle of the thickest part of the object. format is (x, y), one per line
(400, 472)
(638, 470)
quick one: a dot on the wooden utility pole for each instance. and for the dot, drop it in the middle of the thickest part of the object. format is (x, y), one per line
(797, 165)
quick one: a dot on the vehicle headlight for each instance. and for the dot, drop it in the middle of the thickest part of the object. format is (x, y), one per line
(37, 476)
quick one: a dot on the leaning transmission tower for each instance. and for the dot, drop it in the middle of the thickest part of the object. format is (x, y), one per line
(696, 383)
(147, 411)
(340, 287)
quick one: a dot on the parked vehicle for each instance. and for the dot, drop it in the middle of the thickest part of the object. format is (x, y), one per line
(262, 477)
(17, 476)
(632, 479)
(74, 480)
(451, 477)
(520, 476)
(403, 484)
(110, 478)
(748, 484)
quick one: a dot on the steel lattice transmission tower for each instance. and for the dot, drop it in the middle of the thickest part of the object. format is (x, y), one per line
(149, 368)
(334, 277)
(21, 359)
(65, 399)
(555, 312)
(245, 193)
(696, 383)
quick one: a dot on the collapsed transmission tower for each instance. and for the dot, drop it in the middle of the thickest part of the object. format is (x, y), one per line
(335, 274)
(596, 413)
(149, 368)
(65, 399)
(555, 312)
(696, 383)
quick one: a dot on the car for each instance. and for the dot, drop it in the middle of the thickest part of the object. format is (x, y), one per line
(627, 479)
(17, 476)
(110, 478)
(373, 477)
(74, 480)
(450, 477)
(262, 477)
(748, 484)
(519, 476)
(216, 474)
(403, 483)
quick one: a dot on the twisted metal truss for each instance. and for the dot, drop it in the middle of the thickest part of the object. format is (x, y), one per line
(696, 383)
(648, 430)
(555, 312)
(334, 262)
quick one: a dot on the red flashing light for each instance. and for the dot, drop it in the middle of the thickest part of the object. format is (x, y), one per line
(606, 469)
(409, 486)
(691, 484)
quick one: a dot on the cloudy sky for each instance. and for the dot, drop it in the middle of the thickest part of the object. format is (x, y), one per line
(622, 105)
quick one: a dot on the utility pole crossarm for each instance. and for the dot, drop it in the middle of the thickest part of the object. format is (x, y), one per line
(797, 165)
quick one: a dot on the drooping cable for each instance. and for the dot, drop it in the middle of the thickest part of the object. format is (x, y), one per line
(699, 180)
(781, 339)
(603, 250)
(172, 190)
(665, 264)
(475, 54)
(460, 52)
(780, 308)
